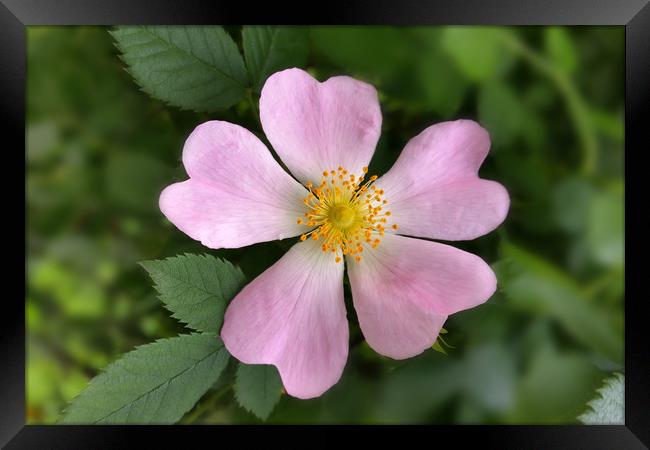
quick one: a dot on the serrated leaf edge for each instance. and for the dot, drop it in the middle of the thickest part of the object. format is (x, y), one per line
(143, 89)
(103, 370)
(607, 384)
(159, 294)
(241, 404)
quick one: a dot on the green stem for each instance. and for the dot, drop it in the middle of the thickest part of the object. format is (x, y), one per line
(577, 109)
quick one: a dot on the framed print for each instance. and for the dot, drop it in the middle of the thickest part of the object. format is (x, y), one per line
(411, 213)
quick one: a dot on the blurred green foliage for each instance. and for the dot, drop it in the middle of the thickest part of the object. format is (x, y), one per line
(99, 151)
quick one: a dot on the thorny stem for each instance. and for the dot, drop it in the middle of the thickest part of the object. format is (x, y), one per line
(576, 106)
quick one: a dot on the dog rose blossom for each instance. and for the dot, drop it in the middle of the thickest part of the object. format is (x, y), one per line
(293, 315)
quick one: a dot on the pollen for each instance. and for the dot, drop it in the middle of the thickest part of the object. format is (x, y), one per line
(345, 213)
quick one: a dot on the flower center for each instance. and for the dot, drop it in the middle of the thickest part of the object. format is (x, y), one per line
(342, 216)
(345, 212)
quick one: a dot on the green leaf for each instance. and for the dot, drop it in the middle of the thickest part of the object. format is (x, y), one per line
(156, 383)
(192, 67)
(258, 388)
(478, 52)
(196, 288)
(560, 49)
(268, 49)
(608, 408)
(438, 348)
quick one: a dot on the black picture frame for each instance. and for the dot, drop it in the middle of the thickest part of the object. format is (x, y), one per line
(634, 15)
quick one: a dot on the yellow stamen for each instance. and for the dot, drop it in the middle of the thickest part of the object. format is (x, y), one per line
(344, 217)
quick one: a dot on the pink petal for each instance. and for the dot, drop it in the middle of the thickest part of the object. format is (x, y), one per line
(404, 289)
(320, 126)
(237, 193)
(434, 190)
(293, 316)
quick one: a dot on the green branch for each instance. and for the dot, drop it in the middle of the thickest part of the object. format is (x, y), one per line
(577, 109)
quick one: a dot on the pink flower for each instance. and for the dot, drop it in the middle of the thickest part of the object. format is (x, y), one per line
(293, 315)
